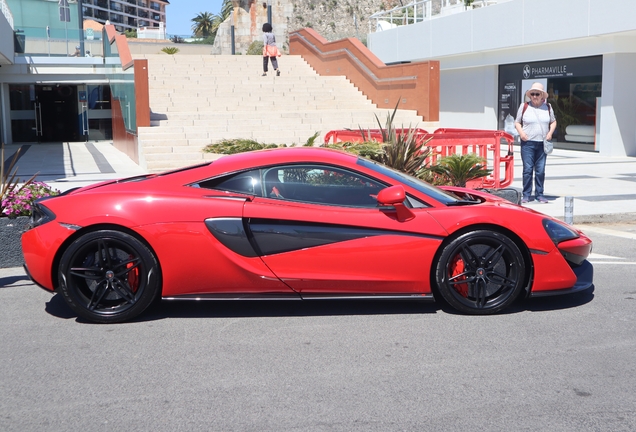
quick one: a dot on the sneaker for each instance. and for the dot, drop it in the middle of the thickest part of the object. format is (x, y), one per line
(265, 74)
(277, 72)
(542, 200)
(525, 200)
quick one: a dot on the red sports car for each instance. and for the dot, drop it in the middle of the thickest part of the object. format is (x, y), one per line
(295, 223)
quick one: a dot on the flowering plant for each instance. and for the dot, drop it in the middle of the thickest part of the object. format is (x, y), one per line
(19, 201)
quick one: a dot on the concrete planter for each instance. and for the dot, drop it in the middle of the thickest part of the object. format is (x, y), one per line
(11, 230)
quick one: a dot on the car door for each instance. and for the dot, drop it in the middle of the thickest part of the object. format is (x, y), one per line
(320, 230)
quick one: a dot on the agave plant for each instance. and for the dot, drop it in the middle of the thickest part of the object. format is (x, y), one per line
(459, 169)
(404, 151)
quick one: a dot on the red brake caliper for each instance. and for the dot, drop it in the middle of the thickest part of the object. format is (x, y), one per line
(133, 276)
(456, 268)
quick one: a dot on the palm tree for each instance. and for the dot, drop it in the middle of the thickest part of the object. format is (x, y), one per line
(226, 9)
(204, 24)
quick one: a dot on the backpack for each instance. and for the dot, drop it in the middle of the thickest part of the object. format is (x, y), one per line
(525, 107)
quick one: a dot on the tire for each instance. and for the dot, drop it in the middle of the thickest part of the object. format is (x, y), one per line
(481, 272)
(108, 276)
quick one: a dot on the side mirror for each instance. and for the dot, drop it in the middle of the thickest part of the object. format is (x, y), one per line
(394, 196)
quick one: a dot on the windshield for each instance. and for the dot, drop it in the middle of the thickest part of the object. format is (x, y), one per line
(417, 184)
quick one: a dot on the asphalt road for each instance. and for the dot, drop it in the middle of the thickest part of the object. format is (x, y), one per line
(557, 364)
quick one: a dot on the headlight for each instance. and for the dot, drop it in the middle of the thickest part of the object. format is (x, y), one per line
(559, 232)
(40, 215)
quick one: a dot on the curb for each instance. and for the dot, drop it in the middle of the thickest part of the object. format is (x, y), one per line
(604, 218)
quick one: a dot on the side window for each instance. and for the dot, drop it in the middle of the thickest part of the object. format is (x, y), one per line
(320, 184)
(247, 182)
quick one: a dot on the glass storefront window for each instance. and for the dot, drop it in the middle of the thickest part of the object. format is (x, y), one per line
(573, 85)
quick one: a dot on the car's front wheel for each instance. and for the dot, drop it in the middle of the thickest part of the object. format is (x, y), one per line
(108, 276)
(481, 272)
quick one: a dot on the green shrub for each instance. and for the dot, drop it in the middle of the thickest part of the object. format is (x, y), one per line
(369, 149)
(255, 48)
(232, 146)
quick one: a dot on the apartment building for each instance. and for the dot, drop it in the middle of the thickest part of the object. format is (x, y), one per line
(127, 14)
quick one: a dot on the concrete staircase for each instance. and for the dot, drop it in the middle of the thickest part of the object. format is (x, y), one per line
(197, 100)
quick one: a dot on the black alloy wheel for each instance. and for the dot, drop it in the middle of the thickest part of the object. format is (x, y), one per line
(108, 276)
(481, 272)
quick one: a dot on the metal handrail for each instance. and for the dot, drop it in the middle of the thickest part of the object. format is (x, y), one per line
(417, 11)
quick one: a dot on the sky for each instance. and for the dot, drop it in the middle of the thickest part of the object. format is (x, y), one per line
(179, 14)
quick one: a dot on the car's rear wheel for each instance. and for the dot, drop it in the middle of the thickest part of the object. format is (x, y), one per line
(108, 276)
(481, 272)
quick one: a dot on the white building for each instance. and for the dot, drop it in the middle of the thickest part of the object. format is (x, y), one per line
(583, 51)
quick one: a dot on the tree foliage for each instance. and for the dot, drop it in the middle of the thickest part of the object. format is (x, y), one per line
(205, 23)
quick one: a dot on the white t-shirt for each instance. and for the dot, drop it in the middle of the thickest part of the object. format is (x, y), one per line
(536, 121)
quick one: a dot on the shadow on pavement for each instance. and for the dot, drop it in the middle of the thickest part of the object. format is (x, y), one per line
(286, 308)
(13, 281)
(542, 304)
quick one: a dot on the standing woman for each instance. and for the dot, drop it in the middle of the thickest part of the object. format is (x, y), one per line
(535, 122)
(270, 50)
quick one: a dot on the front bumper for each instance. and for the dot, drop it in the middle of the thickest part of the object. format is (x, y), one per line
(584, 280)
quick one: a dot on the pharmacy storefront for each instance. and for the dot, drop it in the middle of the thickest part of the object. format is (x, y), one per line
(574, 89)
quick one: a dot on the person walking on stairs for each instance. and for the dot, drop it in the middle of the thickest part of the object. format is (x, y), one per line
(270, 50)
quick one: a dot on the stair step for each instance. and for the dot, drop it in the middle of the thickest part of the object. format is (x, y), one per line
(197, 100)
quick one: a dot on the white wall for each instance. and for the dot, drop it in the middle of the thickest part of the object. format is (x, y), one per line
(618, 106)
(468, 98)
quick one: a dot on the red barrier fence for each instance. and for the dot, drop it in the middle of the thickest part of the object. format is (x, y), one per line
(445, 142)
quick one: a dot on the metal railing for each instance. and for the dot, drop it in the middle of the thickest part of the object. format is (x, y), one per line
(418, 11)
(54, 42)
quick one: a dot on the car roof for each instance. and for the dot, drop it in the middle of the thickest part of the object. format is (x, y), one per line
(286, 155)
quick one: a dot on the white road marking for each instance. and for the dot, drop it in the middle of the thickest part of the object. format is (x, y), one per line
(600, 256)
